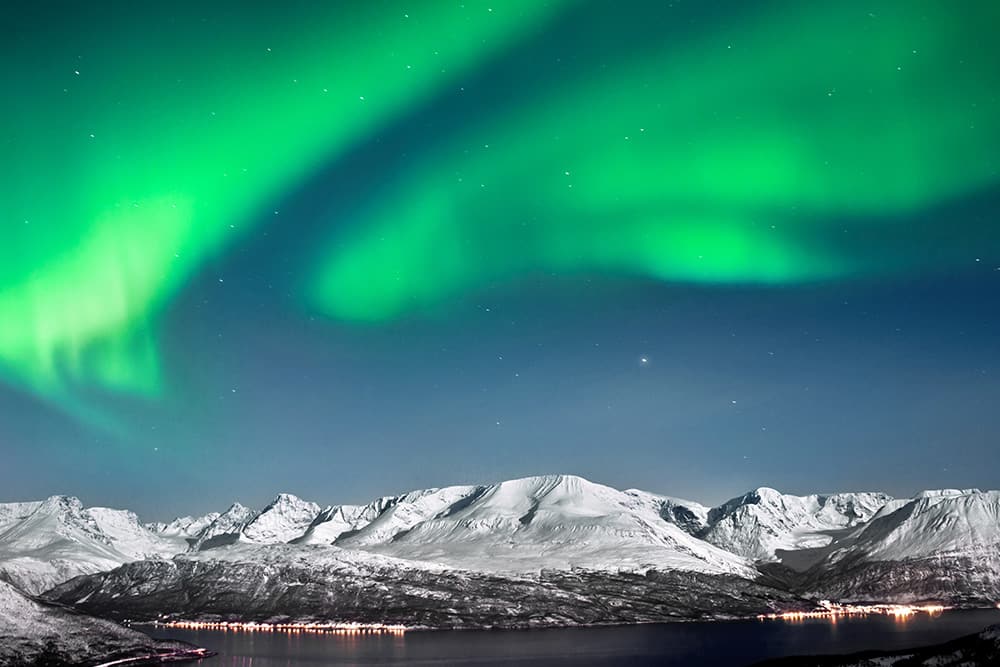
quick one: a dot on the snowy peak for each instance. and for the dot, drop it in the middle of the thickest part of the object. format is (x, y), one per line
(940, 525)
(933, 493)
(61, 539)
(285, 519)
(225, 528)
(764, 521)
(690, 517)
(129, 537)
(334, 522)
(186, 527)
(939, 546)
(551, 522)
(393, 517)
(57, 518)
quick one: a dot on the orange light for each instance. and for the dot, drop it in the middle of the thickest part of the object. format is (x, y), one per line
(293, 628)
(834, 611)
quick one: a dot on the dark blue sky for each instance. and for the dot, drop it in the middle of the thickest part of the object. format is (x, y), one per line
(853, 386)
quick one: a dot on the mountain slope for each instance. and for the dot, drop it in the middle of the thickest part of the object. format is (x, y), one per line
(551, 522)
(33, 633)
(285, 519)
(132, 539)
(763, 522)
(333, 522)
(11, 513)
(943, 546)
(225, 528)
(185, 527)
(689, 516)
(556, 521)
(266, 583)
(402, 513)
(944, 524)
(59, 539)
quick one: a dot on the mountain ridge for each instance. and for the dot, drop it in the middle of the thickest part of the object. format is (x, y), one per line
(822, 545)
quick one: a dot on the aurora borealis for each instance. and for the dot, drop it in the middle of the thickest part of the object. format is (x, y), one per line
(453, 227)
(156, 171)
(682, 166)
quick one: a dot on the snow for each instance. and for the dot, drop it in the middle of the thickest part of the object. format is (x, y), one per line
(338, 520)
(932, 525)
(227, 525)
(131, 538)
(11, 513)
(286, 518)
(60, 539)
(34, 633)
(687, 515)
(22, 616)
(934, 493)
(403, 513)
(317, 558)
(57, 541)
(186, 527)
(763, 522)
(554, 522)
(524, 525)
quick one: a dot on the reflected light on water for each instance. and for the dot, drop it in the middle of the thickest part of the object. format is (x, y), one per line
(346, 629)
(832, 612)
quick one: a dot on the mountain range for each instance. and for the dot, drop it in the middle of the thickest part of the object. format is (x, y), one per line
(549, 550)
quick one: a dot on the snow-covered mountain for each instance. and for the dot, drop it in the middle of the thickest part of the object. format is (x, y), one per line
(225, 528)
(131, 538)
(531, 552)
(339, 520)
(401, 514)
(689, 516)
(185, 527)
(285, 519)
(951, 523)
(940, 545)
(550, 522)
(555, 521)
(763, 522)
(61, 539)
(846, 546)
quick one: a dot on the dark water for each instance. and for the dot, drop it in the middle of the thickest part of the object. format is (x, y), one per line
(720, 644)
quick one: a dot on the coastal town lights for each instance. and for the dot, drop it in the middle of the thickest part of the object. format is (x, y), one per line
(317, 628)
(835, 611)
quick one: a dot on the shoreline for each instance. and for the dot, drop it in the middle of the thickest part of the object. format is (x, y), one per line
(183, 655)
(832, 612)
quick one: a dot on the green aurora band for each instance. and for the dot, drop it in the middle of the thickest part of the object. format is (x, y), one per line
(138, 148)
(736, 159)
(135, 153)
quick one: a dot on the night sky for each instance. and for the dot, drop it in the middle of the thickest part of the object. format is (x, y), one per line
(352, 249)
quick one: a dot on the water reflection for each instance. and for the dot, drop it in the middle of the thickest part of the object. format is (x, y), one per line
(720, 644)
(832, 612)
